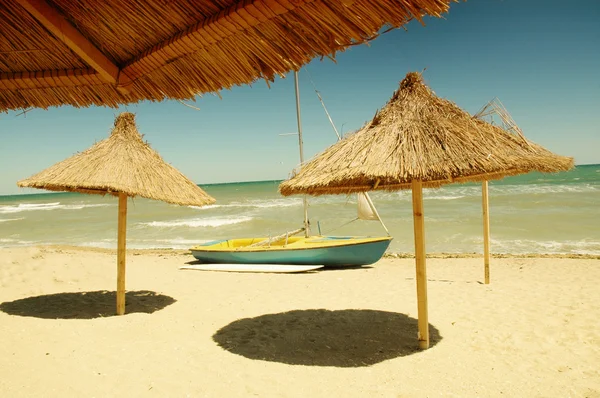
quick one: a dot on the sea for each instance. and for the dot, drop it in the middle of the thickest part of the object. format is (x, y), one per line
(529, 214)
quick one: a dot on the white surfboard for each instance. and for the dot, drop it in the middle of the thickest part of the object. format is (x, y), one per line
(277, 268)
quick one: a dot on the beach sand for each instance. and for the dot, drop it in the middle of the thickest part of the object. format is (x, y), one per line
(533, 332)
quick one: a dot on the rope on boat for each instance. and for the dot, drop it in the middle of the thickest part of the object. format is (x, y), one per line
(276, 238)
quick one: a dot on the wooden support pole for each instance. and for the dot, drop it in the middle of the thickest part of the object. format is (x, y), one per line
(51, 19)
(486, 231)
(419, 224)
(121, 239)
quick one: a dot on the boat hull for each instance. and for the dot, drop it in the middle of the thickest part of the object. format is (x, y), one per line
(330, 251)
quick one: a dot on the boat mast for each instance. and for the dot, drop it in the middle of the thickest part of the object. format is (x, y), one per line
(300, 144)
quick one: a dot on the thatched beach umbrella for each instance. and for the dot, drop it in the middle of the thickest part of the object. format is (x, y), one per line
(420, 140)
(111, 52)
(122, 165)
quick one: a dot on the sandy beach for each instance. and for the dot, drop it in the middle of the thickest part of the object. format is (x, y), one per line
(533, 332)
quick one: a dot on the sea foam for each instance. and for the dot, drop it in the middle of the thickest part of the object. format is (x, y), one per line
(45, 206)
(555, 247)
(12, 219)
(199, 222)
(260, 204)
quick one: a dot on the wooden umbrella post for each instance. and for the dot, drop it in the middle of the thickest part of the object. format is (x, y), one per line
(121, 239)
(486, 231)
(419, 224)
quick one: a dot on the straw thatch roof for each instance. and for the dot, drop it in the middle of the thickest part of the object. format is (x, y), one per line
(110, 52)
(419, 136)
(122, 163)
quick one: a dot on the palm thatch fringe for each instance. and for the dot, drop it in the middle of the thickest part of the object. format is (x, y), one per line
(419, 136)
(122, 163)
(154, 50)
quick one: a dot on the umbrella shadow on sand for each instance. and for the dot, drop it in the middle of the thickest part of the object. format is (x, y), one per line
(342, 338)
(85, 305)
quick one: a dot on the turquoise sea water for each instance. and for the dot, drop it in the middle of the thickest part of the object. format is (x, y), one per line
(533, 213)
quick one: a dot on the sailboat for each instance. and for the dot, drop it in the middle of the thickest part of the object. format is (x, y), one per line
(289, 250)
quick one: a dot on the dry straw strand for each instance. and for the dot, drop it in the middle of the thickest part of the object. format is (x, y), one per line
(419, 136)
(181, 48)
(121, 163)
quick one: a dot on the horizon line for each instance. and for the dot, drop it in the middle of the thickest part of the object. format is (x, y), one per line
(208, 184)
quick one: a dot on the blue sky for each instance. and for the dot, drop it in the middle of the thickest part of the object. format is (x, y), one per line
(540, 58)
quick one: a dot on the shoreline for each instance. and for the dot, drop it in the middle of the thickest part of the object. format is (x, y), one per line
(387, 255)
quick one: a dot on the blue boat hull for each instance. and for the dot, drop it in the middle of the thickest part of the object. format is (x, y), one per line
(327, 251)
